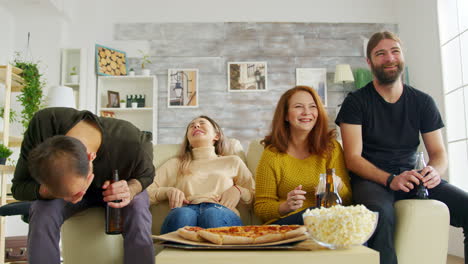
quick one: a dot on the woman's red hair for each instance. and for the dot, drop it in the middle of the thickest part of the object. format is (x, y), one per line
(320, 137)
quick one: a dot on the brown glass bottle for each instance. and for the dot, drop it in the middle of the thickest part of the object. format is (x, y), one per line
(331, 197)
(114, 218)
(320, 189)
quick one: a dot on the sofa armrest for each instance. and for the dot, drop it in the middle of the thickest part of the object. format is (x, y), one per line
(421, 233)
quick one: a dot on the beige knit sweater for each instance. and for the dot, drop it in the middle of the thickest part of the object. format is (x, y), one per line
(211, 176)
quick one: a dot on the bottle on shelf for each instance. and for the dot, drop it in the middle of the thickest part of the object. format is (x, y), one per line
(129, 100)
(140, 100)
(320, 189)
(421, 190)
(331, 197)
(114, 217)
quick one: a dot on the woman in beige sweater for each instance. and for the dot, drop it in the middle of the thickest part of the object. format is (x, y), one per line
(202, 185)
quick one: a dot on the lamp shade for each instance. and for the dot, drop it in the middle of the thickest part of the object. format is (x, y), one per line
(61, 96)
(343, 74)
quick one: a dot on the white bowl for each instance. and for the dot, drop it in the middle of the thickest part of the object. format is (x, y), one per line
(340, 226)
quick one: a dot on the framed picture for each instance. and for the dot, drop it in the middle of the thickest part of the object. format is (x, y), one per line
(247, 76)
(107, 114)
(110, 62)
(113, 99)
(182, 88)
(315, 78)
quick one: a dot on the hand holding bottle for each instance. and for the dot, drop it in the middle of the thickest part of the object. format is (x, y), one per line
(406, 181)
(431, 177)
(115, 191)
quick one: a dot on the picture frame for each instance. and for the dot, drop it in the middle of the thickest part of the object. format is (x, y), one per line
(247, 76)
(113, 99)
(110, 62)
(315, 78)
(108, 114)
(182, 88)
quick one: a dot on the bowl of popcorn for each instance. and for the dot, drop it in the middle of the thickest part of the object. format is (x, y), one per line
(340, 226)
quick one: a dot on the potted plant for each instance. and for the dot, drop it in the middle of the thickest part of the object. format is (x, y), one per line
(144, 62)
(131, 72)
(123, 104)
(134, 103)
(31, 96)
(5, 152)
(74, 77)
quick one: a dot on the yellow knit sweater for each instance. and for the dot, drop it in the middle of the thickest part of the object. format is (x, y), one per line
(279, 173)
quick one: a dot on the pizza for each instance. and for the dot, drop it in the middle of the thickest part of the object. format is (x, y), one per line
(241, 235)
(190, 233)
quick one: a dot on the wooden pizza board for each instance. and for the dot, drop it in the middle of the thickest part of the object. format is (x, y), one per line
(174, 240)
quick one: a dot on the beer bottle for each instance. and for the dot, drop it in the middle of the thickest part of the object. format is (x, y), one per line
(421, 190)
(320, 189)
(114, 218)
(331, 197)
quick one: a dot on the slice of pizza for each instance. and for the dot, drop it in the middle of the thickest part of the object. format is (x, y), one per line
(291, 231)
(230, 235)
(241, 235)
(190, 233)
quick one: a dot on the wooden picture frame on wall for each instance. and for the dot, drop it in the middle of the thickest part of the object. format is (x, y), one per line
(113, 99)
(182, 88)
(247, 76)
(315, 78)
(110, 62)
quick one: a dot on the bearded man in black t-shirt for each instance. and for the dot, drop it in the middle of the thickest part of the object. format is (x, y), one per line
(380, 126)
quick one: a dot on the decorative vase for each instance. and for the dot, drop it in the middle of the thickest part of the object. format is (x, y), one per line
(3, 161)
(134, 104)
(123, 105)
(145, 72)
(131, 73)
(74, 79)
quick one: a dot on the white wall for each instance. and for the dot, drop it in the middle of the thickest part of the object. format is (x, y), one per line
(7, 31)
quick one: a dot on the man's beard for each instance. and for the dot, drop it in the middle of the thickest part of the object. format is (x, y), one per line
(387, 77)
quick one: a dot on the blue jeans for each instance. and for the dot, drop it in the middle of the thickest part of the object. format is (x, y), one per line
(206, 215)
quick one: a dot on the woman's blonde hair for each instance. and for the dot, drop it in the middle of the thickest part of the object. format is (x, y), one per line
(185, 155)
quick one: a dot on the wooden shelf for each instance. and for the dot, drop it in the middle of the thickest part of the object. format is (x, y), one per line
(14, 141)
(127, 109)
(127, 77)
(7, 169)
(16, 80)
(73, 85)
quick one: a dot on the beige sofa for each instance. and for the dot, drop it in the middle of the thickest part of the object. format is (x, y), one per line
(418, 221)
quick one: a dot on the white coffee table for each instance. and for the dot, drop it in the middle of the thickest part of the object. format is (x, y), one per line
(355, 255)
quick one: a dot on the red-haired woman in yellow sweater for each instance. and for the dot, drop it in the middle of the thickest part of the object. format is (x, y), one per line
(299, 148)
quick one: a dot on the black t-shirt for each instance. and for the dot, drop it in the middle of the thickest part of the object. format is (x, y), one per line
(390, 131)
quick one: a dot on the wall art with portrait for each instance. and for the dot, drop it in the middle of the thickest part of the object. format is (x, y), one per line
(182, 88)
(113, 99)
(247, 76)
(315, 78)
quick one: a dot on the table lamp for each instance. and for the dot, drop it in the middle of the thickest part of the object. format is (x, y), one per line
(61, 96)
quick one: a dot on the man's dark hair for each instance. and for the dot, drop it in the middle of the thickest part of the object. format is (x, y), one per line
(51, 160)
